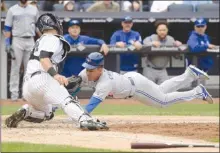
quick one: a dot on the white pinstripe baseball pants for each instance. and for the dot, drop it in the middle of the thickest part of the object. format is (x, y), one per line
(42, 91)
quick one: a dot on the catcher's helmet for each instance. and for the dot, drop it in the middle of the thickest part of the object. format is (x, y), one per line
(49, 21)
(93, 61)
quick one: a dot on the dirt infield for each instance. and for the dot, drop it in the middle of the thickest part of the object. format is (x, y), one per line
(123, 131)
(121, 134)
(205, 131)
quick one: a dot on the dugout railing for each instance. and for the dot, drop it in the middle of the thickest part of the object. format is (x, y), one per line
(112, 60)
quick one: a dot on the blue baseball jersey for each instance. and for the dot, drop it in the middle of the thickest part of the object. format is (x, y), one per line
(129, 61)
(199, 43)
(73, 64)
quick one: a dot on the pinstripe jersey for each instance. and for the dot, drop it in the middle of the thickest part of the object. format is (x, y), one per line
(109, 84)
(22, 20)
(49, 43)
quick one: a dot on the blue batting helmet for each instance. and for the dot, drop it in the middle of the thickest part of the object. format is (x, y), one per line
(93, 61)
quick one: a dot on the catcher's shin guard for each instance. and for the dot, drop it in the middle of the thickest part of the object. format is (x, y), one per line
(14, 119)
(35, 116)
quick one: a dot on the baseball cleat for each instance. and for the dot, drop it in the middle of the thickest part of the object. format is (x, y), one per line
(14, 119)
(102, 122)
(206, 96)
(201, 74)
(92, 125)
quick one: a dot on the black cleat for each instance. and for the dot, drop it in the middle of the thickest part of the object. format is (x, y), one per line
(14, 119)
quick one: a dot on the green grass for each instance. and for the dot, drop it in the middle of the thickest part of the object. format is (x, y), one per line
(214, 139)
(30, 147)
(140, 109)
(178, 109)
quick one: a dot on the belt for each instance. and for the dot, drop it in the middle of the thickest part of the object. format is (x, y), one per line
(26, 78)
(25, 37)
(132, 83)
(155, 67)
(35, 73)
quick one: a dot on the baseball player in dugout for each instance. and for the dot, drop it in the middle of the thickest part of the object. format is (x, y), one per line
(19, 31)
(133, 84)
(43, 87)
(127, 38)
(154, 66)
(198, 42)
(74, 38)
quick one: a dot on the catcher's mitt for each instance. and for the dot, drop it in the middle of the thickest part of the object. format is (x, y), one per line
(74, 84)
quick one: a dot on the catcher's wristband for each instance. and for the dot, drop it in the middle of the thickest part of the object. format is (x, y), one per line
(52, 71)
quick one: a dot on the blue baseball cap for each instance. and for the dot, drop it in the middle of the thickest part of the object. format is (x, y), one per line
(200, 22)
(74, 22)
(93, 61)
(127, 19)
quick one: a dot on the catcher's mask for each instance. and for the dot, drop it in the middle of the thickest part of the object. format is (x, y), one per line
(49, 21)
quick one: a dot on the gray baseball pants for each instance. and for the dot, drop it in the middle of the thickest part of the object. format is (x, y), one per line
(157, 76)
(22, 49)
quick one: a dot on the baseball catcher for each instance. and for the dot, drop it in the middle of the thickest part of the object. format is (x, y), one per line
(43, 87)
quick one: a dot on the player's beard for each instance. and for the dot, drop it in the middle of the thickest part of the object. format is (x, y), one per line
(23, 1)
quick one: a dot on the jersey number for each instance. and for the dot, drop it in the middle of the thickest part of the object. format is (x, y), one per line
(35, 48)
(110, 75)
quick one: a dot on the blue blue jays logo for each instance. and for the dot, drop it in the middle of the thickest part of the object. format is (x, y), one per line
(200, 20)
(88, 60)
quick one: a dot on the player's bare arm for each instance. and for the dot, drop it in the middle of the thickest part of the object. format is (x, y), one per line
(104, 49)
(156, 43)
(211, 46)
(137, 45)
(120, 44)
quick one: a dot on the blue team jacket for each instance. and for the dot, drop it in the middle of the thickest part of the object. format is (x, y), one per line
(199, 43)
(73, 64)
(129, 61)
